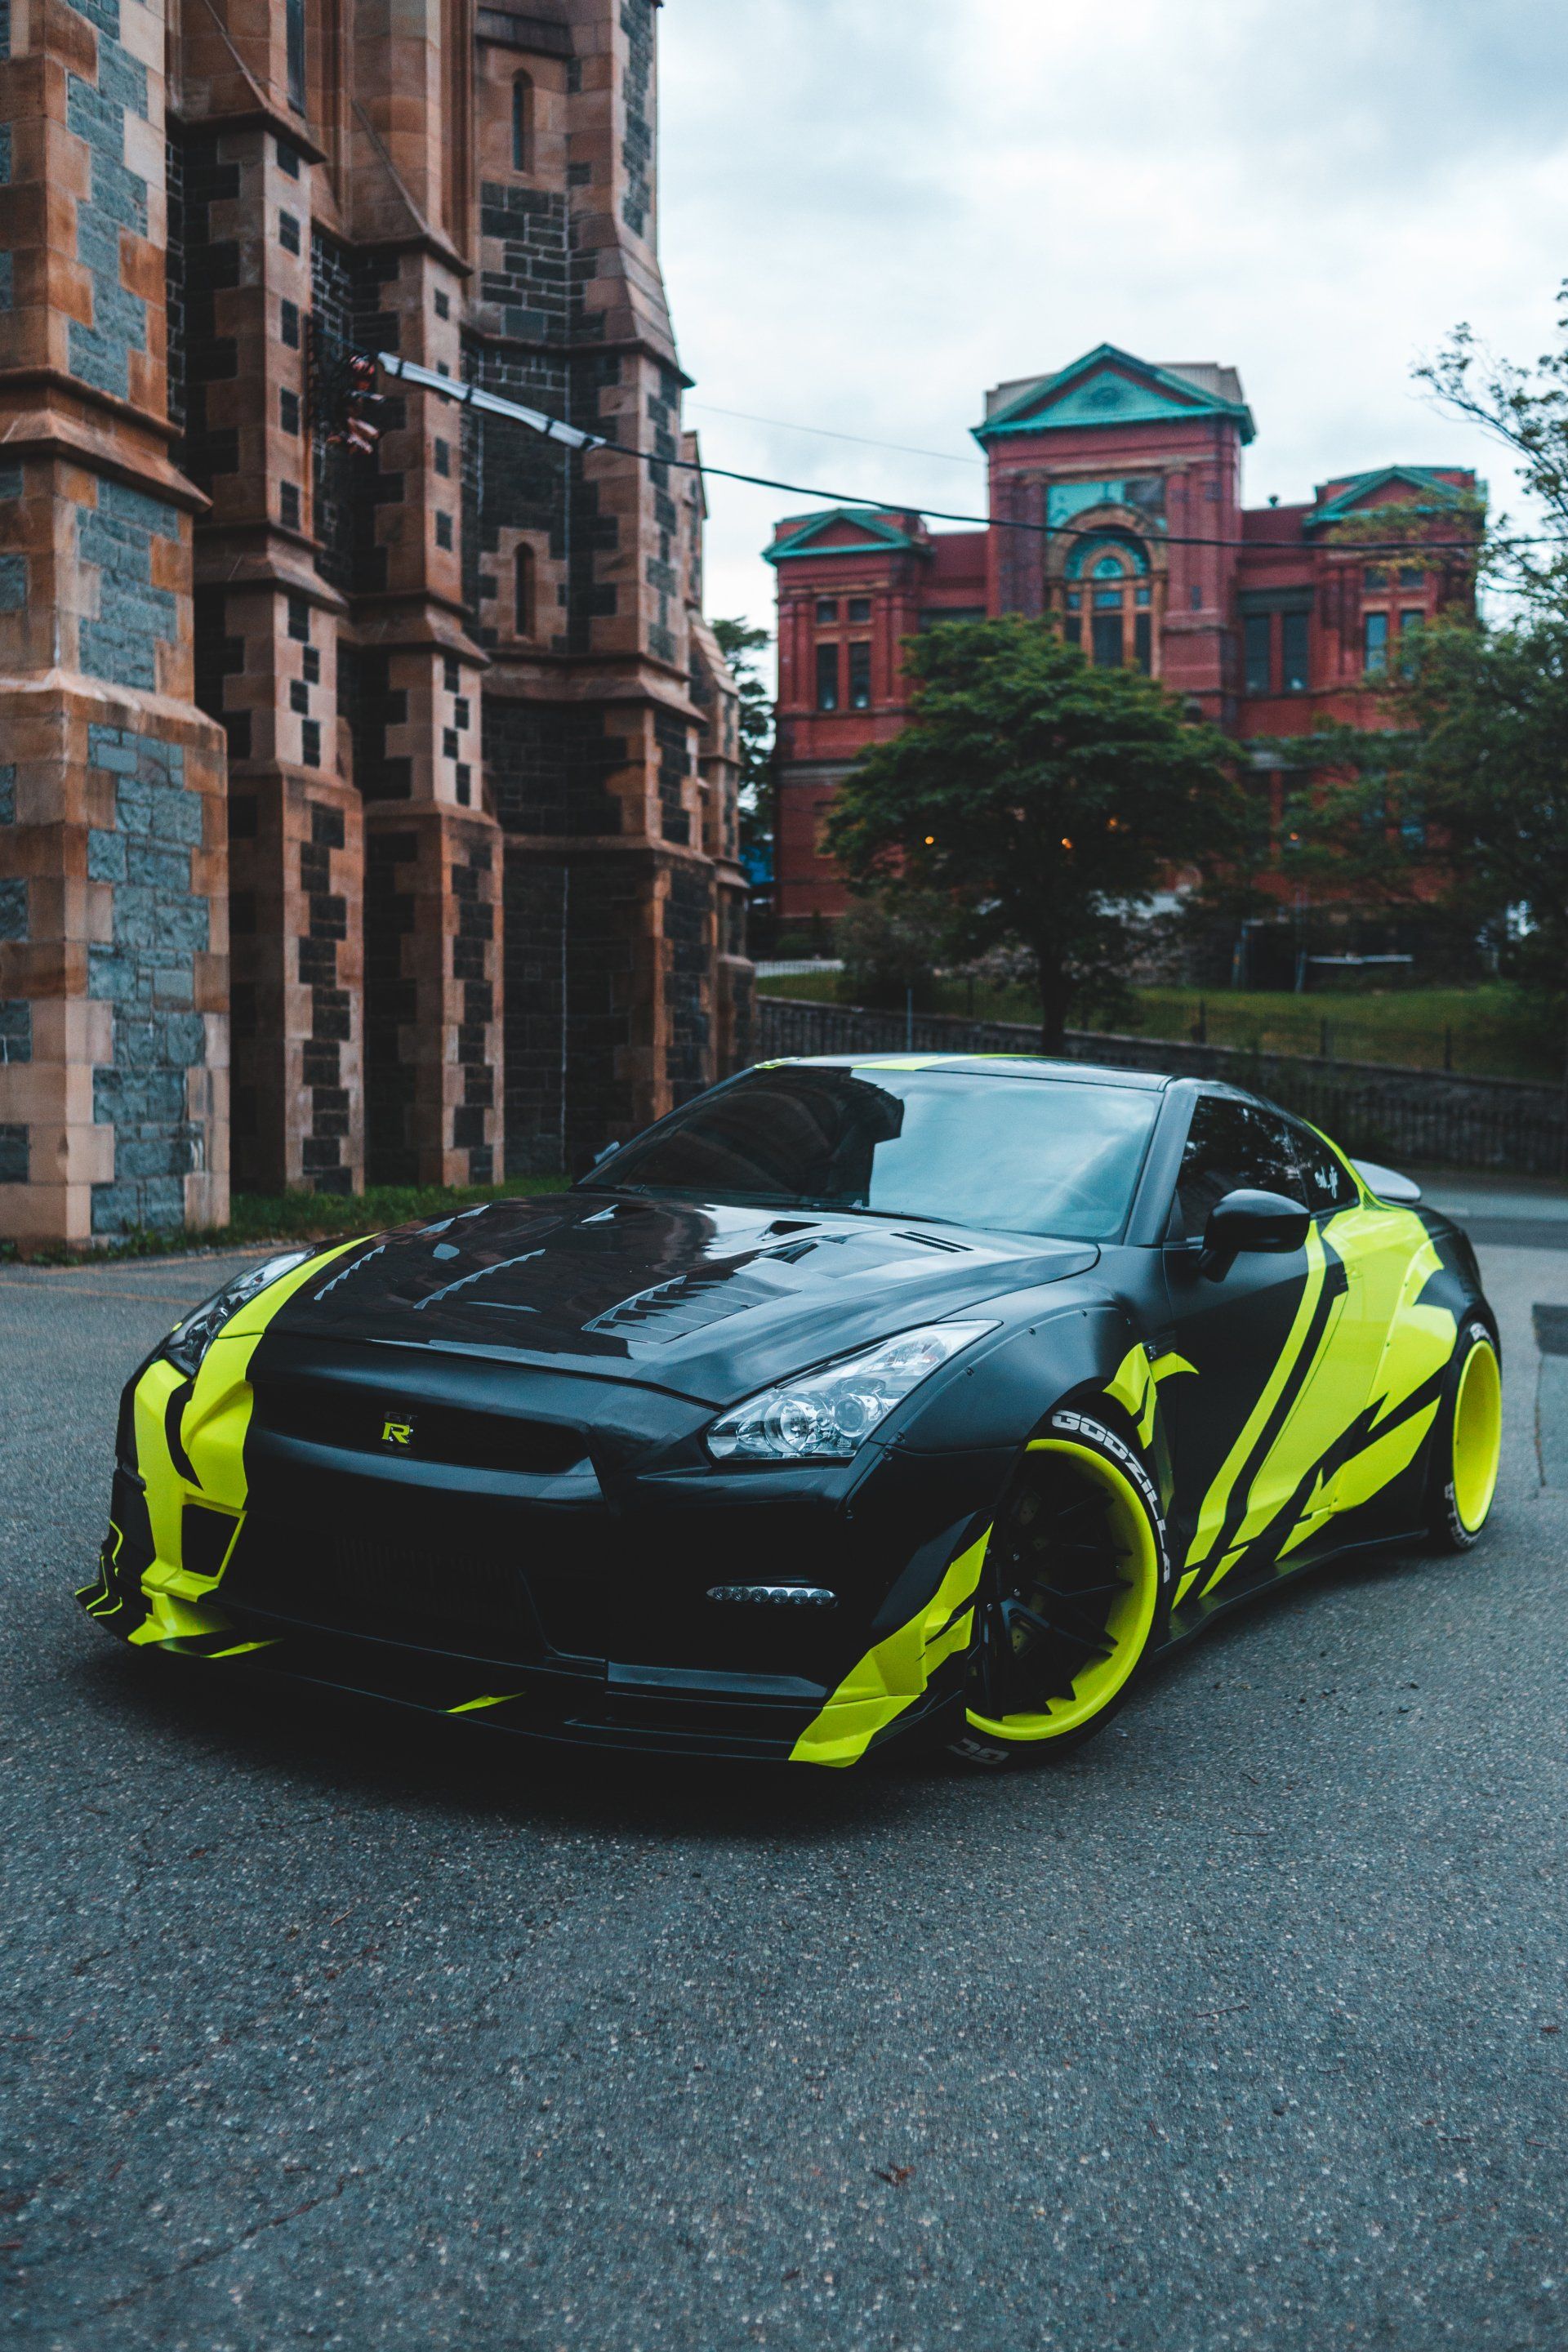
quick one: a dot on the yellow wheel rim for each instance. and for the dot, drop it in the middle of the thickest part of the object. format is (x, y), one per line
(1128, 1622)
(1477, 1436)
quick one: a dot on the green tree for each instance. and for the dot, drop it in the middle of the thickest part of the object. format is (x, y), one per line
(891, 942)
(1526, 409)
(740, 643)
(1458, 805)
(1460, 810)
(1046, 801)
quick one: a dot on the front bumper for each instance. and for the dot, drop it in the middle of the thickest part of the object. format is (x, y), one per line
(262, 1530)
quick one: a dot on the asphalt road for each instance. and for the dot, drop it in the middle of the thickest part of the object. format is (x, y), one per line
(1245, 2026)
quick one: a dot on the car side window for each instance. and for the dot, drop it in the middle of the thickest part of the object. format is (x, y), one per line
(1330, 1184)
(1233, 1146)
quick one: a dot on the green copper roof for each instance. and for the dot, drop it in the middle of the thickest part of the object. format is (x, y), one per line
(1361, 489)
(1108, 386)
(880, 532)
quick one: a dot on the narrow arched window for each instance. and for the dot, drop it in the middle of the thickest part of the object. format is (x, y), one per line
(521, 123)
(522, 589)
(294, 51)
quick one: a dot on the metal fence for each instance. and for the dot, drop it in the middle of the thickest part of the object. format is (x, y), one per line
(1419, 1118)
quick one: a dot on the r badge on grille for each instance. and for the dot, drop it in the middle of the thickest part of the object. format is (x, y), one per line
(396, 1431)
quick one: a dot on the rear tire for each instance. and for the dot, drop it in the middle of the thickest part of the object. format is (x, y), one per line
(1466, 1442)
(1076, 1584)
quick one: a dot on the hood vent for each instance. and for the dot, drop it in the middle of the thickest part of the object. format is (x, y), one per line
(691, 1301)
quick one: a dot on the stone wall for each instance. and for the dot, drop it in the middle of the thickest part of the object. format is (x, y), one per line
(1423, 1118)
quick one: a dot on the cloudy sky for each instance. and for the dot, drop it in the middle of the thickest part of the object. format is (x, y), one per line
(873, 209)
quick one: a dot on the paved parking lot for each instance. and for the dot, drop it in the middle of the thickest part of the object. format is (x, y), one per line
(1247, 2026)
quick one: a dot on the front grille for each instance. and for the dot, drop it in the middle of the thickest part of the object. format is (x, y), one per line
(355, 1422)
(578, 1597)
(352, 1584)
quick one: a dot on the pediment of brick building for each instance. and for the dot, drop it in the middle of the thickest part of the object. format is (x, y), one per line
(1388, 485)
(846, 531)
(1108, 386)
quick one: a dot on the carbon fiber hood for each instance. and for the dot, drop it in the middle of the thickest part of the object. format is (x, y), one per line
(702, 1299)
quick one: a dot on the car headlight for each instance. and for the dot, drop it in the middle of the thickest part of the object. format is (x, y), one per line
(188, 1342)
(826, 1415)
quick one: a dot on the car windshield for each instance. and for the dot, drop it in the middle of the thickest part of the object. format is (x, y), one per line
(964, 1146)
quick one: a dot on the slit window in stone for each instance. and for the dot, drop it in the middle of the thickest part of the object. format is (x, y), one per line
(294, 51)
(521, 123)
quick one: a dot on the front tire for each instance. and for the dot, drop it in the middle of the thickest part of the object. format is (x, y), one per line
(1466, 1442)
(1076, 1582)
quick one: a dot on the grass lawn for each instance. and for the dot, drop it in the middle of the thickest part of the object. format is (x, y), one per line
(1483, 1028)
(257, 1217)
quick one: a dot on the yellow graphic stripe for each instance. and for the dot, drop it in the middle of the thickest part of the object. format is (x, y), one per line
(1419, 1339)
(1136, 1386)
(895, 1673)
(470, 1705)
(1394, 1347)
(1380, 1347)
(1216, 1502)
(213, 1423)
(910, 1061)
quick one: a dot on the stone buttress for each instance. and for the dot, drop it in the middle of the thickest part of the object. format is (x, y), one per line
(113, 854)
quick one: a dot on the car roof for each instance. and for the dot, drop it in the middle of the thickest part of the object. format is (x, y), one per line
(990, 1065)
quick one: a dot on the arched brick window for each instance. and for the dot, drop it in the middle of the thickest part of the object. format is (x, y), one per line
(1109, 582)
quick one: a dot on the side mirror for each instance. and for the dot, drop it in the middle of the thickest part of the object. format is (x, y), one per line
(1264, 1221)
(583, 1163)
(1399, 1192)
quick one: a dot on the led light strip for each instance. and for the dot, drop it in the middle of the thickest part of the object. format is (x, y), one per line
(777, 1596)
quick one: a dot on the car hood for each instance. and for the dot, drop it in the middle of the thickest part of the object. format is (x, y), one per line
(702, 1299)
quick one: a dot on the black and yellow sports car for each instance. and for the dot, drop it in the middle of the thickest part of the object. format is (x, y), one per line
(857, 1402)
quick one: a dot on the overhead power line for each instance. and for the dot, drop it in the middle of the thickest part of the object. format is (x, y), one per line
(554, 429)
(823, 432)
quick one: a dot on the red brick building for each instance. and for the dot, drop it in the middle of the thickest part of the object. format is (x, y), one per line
(359, 814)
(1129, 475)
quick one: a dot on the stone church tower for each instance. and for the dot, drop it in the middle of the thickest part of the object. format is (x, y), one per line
(361, 815)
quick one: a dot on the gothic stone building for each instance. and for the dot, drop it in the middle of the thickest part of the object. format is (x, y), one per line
(1265, 619)
(360, 816)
